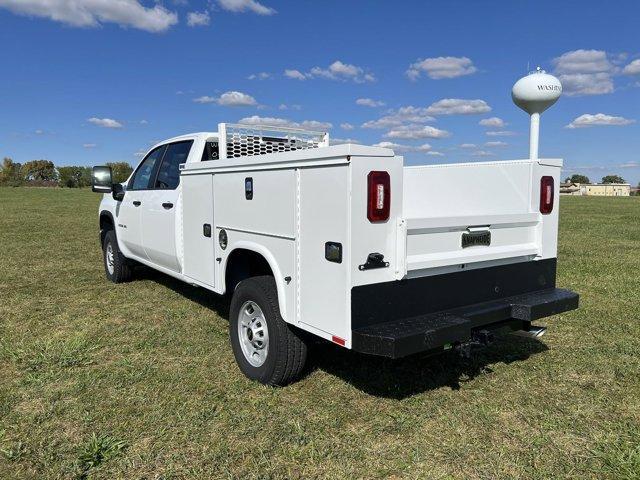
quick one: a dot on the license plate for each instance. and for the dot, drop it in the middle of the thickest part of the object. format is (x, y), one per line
(473, 239)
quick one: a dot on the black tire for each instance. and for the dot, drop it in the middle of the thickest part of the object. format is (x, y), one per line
(121, 270)
(287, 350)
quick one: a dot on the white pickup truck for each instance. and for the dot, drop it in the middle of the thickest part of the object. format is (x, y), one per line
(342, 242)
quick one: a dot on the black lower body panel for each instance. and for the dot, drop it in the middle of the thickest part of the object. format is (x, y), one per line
(395, 319)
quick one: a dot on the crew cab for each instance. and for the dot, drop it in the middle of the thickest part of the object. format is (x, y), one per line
(340, 242)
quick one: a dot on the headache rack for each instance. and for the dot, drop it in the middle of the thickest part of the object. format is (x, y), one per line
(238, 140)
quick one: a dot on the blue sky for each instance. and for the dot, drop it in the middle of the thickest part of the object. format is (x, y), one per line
(103, 81)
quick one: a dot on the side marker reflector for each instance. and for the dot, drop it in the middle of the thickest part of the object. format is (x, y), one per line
(338, 340)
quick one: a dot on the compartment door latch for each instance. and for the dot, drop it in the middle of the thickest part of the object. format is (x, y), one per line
(374, 260)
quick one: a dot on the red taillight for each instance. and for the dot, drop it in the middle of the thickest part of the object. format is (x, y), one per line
(546, 195)
(378, 196)
(338, 340)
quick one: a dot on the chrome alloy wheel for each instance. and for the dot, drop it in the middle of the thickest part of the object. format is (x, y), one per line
(110, 259)
(253, 333)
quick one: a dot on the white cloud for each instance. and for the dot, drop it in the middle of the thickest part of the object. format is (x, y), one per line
(198, 19)
(282, 122)
(369, 102)
(633, 68)
(236, 99)
(493, 122)
(496, 144)
(416, 132)
(585, 72)
(315, 125)
(630, 164)
(39, 132)
(342, 141)
(295, 74)
(458, 106)
(589, 120)
(284, 106)
(402, 115)
(482, 153)
(346, 126)
(271, 121)
(404, 148)
(500, 133)
(441, 67)
(586, 83)
(468, 145)
(89, 145)
(259, 76)
(246, 6)
(582, 61)
(93, 13)
(581, 168)
(435, 154)
(336, 71)
(105, 122)
(144, 122)
(205, 99)
(229, 99)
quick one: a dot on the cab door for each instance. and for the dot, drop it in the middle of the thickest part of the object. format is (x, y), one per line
(128, 212)
(159, 233)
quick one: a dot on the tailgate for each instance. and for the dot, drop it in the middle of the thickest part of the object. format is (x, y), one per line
(459, 214)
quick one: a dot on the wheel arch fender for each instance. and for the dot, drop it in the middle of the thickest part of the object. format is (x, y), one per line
(271, 261)
(105, 217)
(107, 214)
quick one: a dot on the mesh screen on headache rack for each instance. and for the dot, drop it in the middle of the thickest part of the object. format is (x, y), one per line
(237, 140)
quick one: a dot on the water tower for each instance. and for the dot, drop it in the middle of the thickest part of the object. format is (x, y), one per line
(534, 94)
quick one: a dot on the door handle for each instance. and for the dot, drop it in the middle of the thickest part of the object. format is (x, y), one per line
(136, 203)
(167, 205)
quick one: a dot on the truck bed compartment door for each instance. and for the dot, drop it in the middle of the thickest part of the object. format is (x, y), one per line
(197, 229)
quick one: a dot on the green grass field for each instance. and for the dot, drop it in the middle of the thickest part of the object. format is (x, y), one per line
(138, 380)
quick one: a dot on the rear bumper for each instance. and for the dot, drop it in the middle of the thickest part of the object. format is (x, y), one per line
(398, 318)
(432, 332)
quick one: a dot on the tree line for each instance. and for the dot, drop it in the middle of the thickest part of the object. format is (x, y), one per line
(43, 173)
(578, 178)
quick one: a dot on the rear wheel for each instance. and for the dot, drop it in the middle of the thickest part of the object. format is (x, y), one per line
(115, 264)
(266, 348)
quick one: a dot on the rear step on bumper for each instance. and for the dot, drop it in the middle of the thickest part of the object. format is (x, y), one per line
(407, 336)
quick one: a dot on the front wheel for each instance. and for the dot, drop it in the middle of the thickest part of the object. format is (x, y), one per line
(266, 348)
(116, 267)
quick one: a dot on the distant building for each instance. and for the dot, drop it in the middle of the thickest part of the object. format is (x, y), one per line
(607, 189)
(570, 188)
(596, 189)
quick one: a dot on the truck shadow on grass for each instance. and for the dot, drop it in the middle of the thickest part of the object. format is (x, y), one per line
(381, 377)
(405, 377)
(218, 303)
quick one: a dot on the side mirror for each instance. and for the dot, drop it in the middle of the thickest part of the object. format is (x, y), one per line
(101, 180)
(118, 192)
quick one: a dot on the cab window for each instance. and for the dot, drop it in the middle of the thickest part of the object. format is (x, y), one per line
(169, 173)
(144, 173)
